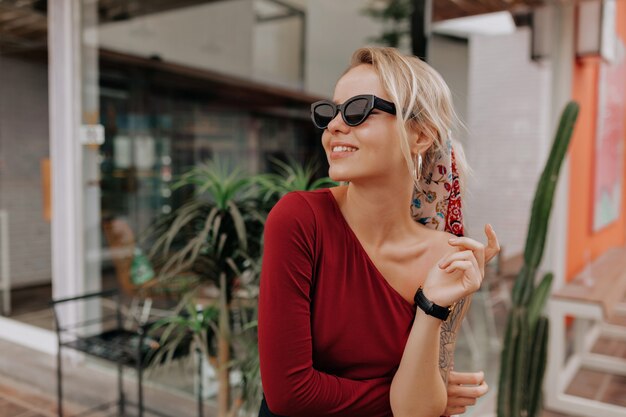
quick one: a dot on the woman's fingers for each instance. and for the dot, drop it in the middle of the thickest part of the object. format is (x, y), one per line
(460, 260)
(466, 378)
(466, 255)
(454, 411)
(464, 261)
(464, 388)
(460, 264)
(471, 279)
(476, 247)
(467, 391)
(462, 401)
(467, 242)
(493, 247)
(483, 253)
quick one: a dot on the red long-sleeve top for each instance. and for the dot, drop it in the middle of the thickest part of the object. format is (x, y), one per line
(331, 329)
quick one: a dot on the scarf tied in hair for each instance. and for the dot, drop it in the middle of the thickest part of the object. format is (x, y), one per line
(437, 202)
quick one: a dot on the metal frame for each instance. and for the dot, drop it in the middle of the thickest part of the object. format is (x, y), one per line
(561, 370)
(138, 363)
(121, 400)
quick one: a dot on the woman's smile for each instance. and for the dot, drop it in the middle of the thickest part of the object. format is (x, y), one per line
(341, 150)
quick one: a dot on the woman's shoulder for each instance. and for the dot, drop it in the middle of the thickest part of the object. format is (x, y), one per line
(302, 205)
(299, 200)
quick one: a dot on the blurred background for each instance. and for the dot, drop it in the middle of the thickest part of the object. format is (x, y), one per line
(106, 104)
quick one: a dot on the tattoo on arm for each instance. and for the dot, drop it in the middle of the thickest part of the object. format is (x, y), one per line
(447, 339)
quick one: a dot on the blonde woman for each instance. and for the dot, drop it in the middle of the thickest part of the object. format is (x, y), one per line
(359, 302)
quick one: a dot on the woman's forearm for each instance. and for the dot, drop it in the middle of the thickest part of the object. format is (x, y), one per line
(417, 389)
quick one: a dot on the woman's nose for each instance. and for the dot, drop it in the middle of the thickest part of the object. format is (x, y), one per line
(338, 124)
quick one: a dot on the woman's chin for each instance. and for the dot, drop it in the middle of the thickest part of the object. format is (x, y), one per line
(338, 176)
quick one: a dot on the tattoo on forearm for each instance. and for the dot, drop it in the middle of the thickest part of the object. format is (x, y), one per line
(447, 338)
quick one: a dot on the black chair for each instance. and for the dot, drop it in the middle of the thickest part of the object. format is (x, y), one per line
(105, 337)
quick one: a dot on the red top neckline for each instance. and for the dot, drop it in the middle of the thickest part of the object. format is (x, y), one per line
(362, 249)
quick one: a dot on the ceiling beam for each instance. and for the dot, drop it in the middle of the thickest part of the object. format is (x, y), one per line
(451, 9)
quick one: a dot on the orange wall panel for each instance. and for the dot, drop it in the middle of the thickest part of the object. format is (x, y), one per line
(583, 243)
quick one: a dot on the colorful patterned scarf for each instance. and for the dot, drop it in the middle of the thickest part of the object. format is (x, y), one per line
(438, 203)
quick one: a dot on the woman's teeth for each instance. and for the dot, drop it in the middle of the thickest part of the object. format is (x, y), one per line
(343, 149)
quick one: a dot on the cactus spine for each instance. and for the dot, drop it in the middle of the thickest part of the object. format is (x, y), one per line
(523, 358)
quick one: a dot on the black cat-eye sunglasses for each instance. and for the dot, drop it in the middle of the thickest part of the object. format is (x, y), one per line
(354, 111)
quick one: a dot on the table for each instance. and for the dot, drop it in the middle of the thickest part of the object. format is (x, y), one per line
(593, 299)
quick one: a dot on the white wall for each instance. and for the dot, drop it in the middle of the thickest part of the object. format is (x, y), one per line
(276, 52)
(334, 30)
(450, 57)
(23, 143)
(216, 36)
(224, 37)
(508, 115)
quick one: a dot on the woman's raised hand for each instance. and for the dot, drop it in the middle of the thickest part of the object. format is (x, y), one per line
(460, 274)
(456, 275)
(491, 250)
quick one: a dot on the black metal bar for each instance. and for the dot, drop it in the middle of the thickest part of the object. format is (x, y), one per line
(140, 373)
(120, 368)
(87, 323)
(200, 387)
(59, 378)
(420, 27)
(118, 310)
(57, 328)
(120, 389)
(106, 293)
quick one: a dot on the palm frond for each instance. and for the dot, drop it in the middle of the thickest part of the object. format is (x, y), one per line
(290, 176)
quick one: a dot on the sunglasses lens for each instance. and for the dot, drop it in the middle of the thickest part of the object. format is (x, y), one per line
(356, 111)
(323, 114)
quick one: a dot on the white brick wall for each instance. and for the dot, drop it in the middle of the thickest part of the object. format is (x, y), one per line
(509, 109)
(507, 115)
(23, 143)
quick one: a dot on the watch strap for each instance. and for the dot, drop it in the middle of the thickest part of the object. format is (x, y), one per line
(429, 307)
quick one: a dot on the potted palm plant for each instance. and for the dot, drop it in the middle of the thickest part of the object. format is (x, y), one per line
(216, 235)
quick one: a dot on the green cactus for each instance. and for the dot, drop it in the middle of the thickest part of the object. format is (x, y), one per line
(523, 358)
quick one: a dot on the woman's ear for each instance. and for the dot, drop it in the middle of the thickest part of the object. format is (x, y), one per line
(420, 142)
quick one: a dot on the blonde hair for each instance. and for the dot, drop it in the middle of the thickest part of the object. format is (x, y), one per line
(423, 105)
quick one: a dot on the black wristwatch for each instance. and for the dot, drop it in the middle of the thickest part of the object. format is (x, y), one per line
(429, 307)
